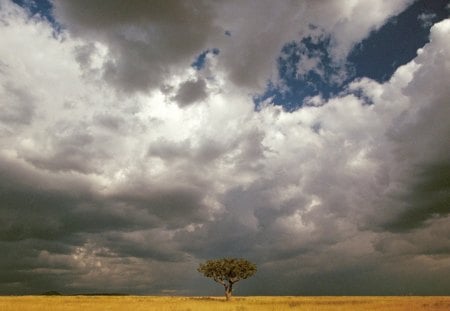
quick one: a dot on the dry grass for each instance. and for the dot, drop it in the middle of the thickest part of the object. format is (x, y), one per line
(137, 303)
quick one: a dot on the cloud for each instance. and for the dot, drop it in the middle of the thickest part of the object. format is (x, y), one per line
(261, 29)
(113, 178)
(17, 107)
(190, 92)
(426, 19)
(146, 41)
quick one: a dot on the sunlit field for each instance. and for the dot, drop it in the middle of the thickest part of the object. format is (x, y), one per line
(113, 303)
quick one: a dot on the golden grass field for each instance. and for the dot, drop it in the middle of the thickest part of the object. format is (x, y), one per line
(276, 303)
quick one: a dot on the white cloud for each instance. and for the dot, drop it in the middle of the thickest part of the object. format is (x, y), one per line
(426, 19)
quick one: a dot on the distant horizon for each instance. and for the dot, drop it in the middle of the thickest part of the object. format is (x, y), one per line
(216, 296)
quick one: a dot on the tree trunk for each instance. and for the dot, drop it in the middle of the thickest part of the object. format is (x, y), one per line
(228, 291)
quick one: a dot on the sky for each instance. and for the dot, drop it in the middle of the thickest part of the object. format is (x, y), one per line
(141, 138)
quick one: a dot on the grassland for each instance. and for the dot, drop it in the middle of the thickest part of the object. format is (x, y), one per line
(278, 303)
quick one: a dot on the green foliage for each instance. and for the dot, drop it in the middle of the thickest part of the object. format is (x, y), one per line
(229, 270)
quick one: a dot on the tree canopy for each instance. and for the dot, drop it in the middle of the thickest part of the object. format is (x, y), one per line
(227, 271)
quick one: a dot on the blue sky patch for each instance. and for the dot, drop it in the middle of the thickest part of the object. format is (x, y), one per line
(199, 62)
(42, 8)
(306, 69)
(396, 43)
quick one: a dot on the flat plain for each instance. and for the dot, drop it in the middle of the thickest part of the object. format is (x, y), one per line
(263, 303)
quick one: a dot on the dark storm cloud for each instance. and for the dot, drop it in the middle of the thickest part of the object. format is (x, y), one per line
(145, 39)
(190, 92)
(227, 236)
(174, 206)
(153, 244)
(44, 225)
(33, 210)
(428, 197)
(28, 210)
(251, 226)
(20, 268)
(431, 238)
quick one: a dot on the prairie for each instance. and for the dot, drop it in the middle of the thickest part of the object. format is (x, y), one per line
(272, 303)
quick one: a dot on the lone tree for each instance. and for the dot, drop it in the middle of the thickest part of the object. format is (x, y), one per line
(227, 271)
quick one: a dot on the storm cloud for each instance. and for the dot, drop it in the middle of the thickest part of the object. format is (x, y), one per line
(122, 166)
